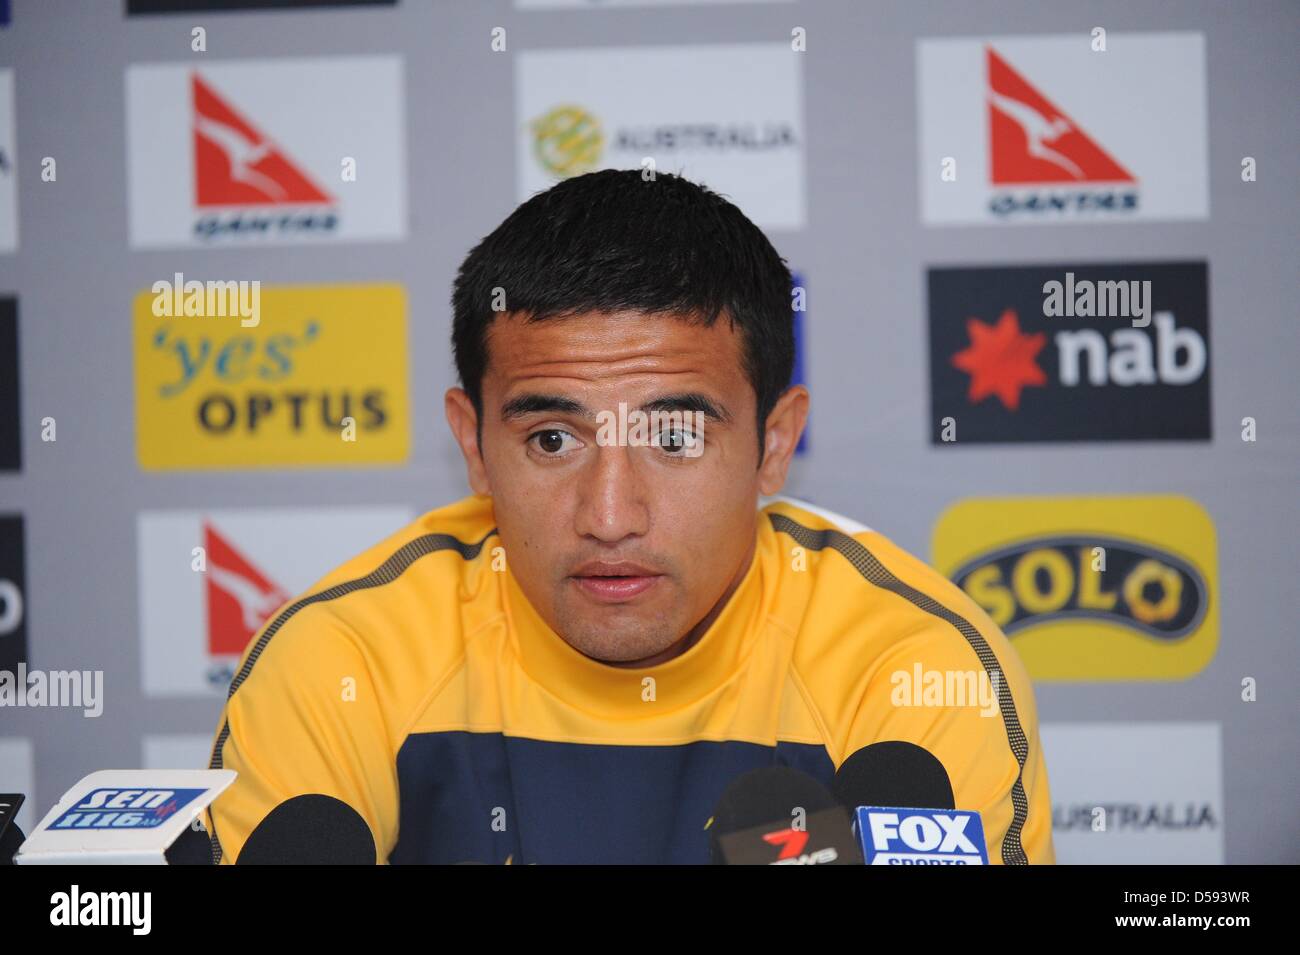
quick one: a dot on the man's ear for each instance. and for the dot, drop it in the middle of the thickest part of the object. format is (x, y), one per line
(463, 420)
(784, 426)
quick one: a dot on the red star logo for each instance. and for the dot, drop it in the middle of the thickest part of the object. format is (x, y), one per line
(1000, 360)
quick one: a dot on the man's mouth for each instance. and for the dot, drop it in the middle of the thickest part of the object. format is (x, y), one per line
(614, 581)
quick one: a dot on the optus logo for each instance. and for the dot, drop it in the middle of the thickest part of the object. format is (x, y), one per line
(320, 380)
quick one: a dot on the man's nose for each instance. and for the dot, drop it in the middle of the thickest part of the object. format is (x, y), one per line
(612, 500)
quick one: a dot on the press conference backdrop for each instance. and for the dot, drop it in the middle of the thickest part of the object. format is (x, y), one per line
(1109, 469)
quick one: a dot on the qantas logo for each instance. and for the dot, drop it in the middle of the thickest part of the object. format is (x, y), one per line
(210, 580)
(236, 165)
(1034, 141)
(1043, 128)
(233, 152)
(240, 597)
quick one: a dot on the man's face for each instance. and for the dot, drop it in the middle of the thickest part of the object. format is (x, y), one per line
(625, 547)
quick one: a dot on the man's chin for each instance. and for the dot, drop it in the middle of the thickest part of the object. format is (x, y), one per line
(619, 637)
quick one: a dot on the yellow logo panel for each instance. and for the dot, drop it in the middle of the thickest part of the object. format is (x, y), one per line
(315, 377)
(1090, 588)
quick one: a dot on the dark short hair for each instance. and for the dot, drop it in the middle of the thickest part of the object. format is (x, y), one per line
(613, 241)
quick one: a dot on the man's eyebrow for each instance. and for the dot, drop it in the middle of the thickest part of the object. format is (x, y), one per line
(689, 401)
(523, 405)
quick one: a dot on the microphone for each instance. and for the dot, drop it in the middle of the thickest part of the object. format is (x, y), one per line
(124, 817)
(11, 837)
(311, 829)
(904, 809)
(10, 843)
(192, 847)
(779, 816)
(893, 773)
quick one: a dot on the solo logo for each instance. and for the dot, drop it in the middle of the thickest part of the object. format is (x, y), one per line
(320, 381)
(1006, 365)
(1090, 588)
(1087, 576)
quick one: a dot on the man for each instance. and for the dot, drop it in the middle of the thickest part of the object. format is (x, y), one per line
(573, 663)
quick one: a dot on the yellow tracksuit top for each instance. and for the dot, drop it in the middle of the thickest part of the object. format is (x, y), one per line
(418, 685)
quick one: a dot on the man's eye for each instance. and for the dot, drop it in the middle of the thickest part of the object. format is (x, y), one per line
(678, 441)
(552, 441)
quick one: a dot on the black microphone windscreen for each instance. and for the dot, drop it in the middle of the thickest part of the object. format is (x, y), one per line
(10, 841)
(766, 795)
(192, 847)
(780, 800)
(893, 773)
(310, 830)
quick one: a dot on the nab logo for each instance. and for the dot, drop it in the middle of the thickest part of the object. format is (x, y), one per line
(1001, 370)
(921, 836)
(125, 808)
(792, 842)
